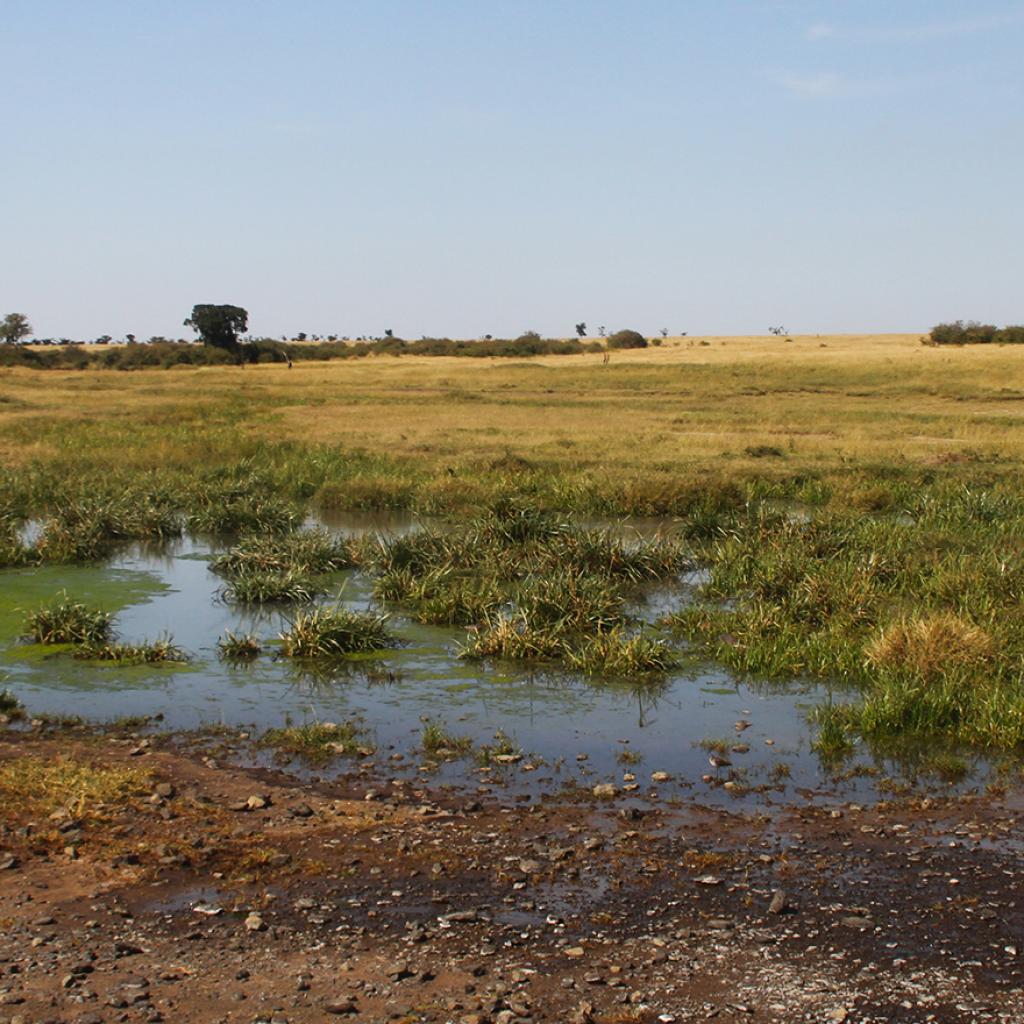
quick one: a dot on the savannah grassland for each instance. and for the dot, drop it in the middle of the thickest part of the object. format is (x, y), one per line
(858, 500)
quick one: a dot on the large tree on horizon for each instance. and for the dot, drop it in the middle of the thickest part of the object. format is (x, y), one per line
(219, 326)
(14, 327)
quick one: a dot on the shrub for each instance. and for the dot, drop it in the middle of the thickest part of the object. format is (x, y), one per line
(960, 333)
(627, 339)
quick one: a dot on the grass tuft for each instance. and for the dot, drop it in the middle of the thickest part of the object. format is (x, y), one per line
(232, 647)
(440, 745)
(928, 648)
(69, 622)
(317, 742)
(148, 652)
(335, 631)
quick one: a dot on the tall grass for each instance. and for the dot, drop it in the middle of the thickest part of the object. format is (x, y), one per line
(147, 652)
(64, 621)
(322, 632)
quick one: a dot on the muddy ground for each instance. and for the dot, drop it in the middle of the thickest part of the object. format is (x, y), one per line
(226, 893)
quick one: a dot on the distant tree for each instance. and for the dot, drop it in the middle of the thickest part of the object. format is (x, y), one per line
(777, 331)
(219, 326)
(301, 336)
(581, 329)
(104, 339)
(14, 327)
(601, 331)
(627, 339)
(130, 338)
(389, 333)
(664, 332)
(960, 333)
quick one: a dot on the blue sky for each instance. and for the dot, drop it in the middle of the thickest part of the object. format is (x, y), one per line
(465, 167)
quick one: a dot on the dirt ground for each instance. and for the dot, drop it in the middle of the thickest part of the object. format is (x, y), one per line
(224, 893)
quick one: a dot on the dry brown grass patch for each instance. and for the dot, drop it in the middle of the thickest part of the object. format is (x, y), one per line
(930, 647)
(32, 786)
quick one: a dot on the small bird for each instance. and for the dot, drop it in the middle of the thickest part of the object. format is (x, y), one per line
(719, 761)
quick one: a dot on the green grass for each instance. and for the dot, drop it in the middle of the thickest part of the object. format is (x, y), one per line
(64, 621)
(498, 752)
(884, 551)
(440, 745)
(148, 652)
(234, 647)
(317, 742)
(10, 706)
(327, 632)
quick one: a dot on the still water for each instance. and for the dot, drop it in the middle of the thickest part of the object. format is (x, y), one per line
(571, 727)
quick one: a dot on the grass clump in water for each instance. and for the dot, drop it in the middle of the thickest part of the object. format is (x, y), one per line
(10, 706)
(257, 586)
(310, 551)
(503, 750)
(64, 621)
(440, 745)
(149, 652)
(512, 637)
(335, 631)
(442, 596)
(318, 742)
(291, 567)
(235, 647)
(618, 653)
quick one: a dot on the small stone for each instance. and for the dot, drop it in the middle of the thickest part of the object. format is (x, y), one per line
(605, 791)
(574, 952)
(255, 923)
(779, 902)
(302, 811)
(164, 789)
(660, 777)
(257, 802)
(341, 1006)
(855, 921)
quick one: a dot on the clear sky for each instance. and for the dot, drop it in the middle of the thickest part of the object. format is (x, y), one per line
(465, 167)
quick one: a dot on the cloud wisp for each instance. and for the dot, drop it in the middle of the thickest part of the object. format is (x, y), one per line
(916, 33)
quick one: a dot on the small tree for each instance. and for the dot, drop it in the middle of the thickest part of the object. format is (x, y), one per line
(219, 326)
(14, 327)
(581, 330)
(627, 339)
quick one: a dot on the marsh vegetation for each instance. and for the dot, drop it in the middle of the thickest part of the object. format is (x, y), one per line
(857, 513)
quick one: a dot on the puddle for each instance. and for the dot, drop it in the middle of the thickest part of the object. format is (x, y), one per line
(575, 730)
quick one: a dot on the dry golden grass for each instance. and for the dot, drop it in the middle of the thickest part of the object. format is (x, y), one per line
(928, 648)
(823, 402)
(33, 786)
